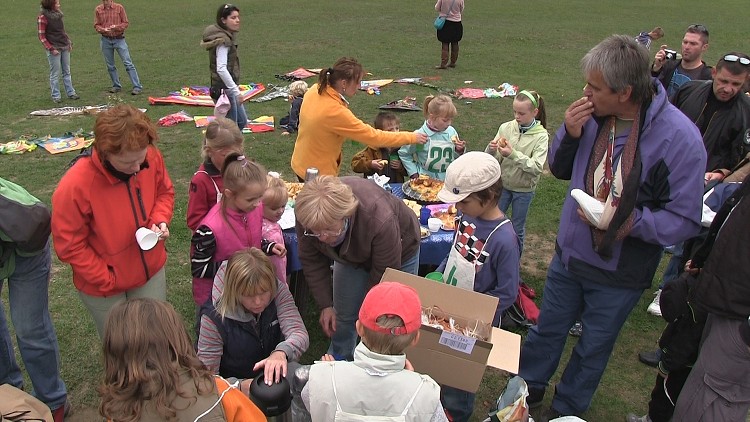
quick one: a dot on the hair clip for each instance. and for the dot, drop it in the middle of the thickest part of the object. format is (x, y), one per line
(240, 158)
(274, 174)
(329, 71)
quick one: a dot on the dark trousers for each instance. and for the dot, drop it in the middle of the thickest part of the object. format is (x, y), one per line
(664, 395)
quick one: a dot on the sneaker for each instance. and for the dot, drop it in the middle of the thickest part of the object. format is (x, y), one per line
(56, 100)
(74, 97)
(114, 90)
(654, 308)
(650, 358)
(576, 330)
(535, 398)
(136, 91)
(634, 418)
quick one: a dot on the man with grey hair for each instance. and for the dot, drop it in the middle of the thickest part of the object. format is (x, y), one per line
(635, 165)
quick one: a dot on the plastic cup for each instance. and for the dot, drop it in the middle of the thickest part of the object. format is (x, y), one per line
(434, 224)
(436, 276)
(146, 238)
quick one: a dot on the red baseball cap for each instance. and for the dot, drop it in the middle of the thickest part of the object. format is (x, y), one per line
(391, 298)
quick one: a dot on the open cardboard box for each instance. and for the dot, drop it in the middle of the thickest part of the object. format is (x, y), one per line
(453, 359)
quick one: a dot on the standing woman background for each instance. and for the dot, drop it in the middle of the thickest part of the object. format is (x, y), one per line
(55, 40)
(452, 32)
(221, 42)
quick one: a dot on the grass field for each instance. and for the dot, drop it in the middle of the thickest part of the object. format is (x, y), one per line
(533, 45)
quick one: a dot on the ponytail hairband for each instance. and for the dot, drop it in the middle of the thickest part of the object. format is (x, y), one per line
(274, 174)
(530, 96)
(243, 159)
(329, 71)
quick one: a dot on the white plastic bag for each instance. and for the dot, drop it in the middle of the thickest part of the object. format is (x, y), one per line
(511, 405)
(222, 105)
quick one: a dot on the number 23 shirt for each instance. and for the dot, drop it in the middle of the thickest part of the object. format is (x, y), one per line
(433, 157)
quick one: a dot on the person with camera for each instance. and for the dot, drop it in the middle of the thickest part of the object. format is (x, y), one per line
(673, 71)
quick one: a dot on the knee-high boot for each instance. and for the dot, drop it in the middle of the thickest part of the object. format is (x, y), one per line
(443, 56)
(454, 55)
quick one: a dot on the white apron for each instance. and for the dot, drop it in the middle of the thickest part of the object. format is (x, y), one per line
(461, 270)
(342, 416)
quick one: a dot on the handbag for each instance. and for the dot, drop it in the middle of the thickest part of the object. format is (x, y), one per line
(222, 105)
(17, 405)
(440, 20)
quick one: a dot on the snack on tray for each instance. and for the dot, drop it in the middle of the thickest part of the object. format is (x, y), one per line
(454, 138)
(502, 142)
(413, 206)
(293, 188)
(448, 217)
(426, 187)
(423, 232)
(383, 162)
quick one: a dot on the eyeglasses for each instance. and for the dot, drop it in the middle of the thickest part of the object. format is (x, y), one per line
(698, 27)
(328, 234)
(735, 58)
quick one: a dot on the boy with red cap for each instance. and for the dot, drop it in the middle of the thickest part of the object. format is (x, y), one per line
(380, 384)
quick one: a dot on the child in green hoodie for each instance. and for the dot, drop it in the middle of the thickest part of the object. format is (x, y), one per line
(520, 146)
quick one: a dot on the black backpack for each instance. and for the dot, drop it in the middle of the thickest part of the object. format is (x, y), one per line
(24, 220)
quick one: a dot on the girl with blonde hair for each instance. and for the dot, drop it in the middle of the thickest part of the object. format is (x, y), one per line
(251, 326)
(274, 203)
(234, 223)
(443, 144)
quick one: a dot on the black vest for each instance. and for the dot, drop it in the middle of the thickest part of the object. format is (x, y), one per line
(245, 343)
(55, 32)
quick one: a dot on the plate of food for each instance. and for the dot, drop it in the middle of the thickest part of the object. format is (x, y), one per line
(447, 217)
(423, 189)
(423, 232)
(293, 189)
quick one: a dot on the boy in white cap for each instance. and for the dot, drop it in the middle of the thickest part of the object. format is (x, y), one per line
(485, 256)
(380, 384)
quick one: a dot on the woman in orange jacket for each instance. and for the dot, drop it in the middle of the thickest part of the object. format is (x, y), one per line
(100, 203)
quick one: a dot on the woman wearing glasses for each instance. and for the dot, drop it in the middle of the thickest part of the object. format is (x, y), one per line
(220, 41)
(364, 230)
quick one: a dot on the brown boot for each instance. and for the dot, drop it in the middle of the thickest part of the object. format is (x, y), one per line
(443, 56)
(454, 55)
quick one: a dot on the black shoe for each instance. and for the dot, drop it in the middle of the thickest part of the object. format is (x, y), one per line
(547, 415)
(73, 97)
(114, 90)
(650, 358)
(535, 398)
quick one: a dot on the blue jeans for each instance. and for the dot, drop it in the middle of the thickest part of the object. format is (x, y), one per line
(519, 203)
(109, 46)
(37, 342)
(459, 404)
(350, 285)
(602, 309)
(674, 267)
(236, 111)
(60, 64)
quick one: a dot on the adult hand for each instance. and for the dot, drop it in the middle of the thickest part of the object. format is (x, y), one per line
(659, 58)
(714, 175)
(376, 165)
(577, 115)
(274, 367)
(328, 320)
(583, 217)
(161, 229)
(55, 52)
(421, 138)
(279, 250)
(690, 269)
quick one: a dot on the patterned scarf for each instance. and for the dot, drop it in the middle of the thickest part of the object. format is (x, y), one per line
(619, 187)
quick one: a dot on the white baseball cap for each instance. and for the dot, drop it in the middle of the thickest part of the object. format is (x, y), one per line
(469, 173)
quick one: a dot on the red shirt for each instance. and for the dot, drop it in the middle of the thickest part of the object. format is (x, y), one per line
(110, 21)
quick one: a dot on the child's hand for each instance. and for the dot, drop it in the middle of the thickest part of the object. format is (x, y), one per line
(396, 164)
(492, 146)
(377, 165)
(506, 149)
(460, 146)
(284, 133)
(328, 358)
(279, 250)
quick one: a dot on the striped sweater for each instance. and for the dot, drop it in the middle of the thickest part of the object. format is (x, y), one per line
(296, 339)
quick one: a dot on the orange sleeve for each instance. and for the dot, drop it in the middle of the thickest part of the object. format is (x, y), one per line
(237, 406)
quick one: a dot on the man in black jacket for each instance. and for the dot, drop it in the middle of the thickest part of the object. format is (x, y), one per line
(672, 71)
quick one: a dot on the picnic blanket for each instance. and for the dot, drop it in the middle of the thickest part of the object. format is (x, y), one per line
(406, 104)
(71, 111)
(257, 125)
(66, 143)
(174, 118)
(298, 74)
(199, 96)
(276, 92)
(504, 90)
(17, 147)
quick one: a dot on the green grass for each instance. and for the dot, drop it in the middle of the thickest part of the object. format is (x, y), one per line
(533, 45)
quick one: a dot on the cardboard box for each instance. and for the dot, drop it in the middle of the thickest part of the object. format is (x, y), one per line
(453, 359)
